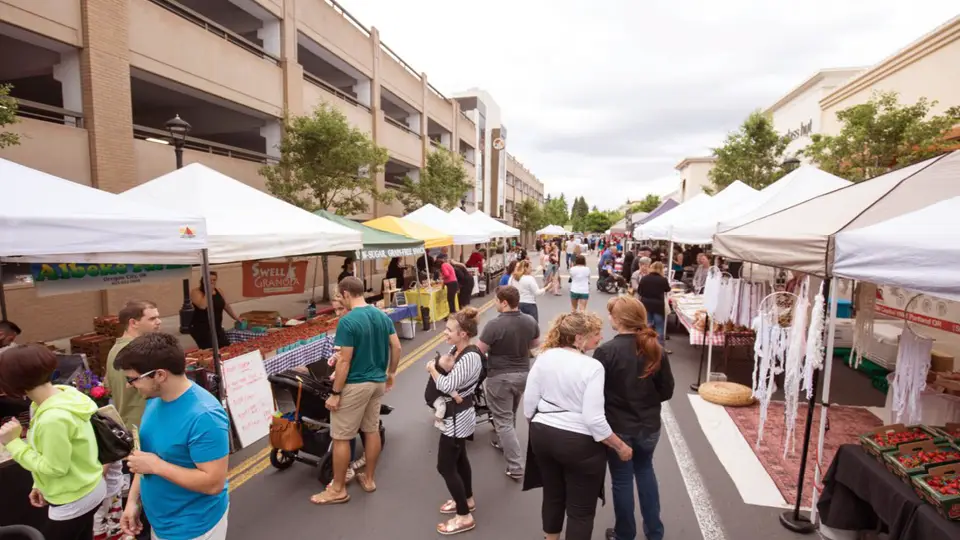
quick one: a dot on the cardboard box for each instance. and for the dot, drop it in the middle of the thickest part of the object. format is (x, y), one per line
(947, 506)
(895, 466)
(877, 449)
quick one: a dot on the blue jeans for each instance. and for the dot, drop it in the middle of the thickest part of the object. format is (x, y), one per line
(658, 323)
(622, 476)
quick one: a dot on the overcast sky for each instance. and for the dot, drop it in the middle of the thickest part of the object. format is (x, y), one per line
(602, 98)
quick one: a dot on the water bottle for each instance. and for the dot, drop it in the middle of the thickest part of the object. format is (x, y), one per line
(311, 310)
(279, 322)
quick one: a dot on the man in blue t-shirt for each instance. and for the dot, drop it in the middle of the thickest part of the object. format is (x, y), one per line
(181, 467)
(369, 358)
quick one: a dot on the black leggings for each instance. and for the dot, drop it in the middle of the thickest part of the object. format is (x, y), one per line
(573, 467)
(454, 466)
(78, 528)
(201, 336)
(453, 289)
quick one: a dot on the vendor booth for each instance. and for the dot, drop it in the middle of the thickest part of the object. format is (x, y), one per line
(460, 229)
(493, 266)
(552, 230)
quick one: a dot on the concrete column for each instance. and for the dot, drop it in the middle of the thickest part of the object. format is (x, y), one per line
(414, 175)
(423, 128)
(292, 70)
(272, 132)
(67, 72)
(376, 116)
(272, 37)
(413, 122)
(363, 91)
(446, 139)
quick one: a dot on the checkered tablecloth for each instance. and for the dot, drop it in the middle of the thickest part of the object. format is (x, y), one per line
(400, 313)
(318, 351)
(239, 336)
(720, 339)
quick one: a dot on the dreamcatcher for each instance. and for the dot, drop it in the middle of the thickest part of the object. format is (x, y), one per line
(794, 366)
(772, 326)
(813, 358)
(913, 363)
(863, 329)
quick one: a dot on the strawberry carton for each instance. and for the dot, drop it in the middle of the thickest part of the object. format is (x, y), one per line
(889, 438)
(941, 488)
(915, 458)
(951, 431)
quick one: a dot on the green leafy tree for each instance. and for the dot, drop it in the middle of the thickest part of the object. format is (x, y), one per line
(881, 135)
(648, 204)
(555, 211)
(442, 183)
(8, 116)
(528, 216)
(326, 164)
(598, 222)
(753, 154)
(578, 211)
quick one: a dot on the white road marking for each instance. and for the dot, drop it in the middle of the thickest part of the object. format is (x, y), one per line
(707, 519)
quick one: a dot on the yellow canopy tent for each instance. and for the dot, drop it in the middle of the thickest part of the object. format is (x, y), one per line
(431, 238)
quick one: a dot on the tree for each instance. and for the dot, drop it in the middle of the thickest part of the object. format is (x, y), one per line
(528, 216)
(598, 222)
(8, 116)
(753, 154)
(555, 211)
(442, 183)
(578, 211)
(648, 204)
(881, 135)
(326, 164)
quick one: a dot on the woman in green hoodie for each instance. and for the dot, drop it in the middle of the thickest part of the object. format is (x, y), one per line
(60, 449)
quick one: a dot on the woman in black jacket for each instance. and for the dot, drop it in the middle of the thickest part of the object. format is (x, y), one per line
(637, 380)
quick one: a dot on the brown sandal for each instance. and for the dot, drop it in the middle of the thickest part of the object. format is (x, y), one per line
(324, 498)
(364, 484)
(450, 528)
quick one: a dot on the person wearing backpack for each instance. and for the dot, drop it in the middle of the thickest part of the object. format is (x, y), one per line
(460, 418)
(60, 450)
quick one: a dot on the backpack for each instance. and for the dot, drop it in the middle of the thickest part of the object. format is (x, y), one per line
(114, 442)
(431, 394)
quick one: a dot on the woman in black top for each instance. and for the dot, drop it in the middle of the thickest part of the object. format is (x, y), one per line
(637, 379)
(347, 269)
(199, 326)
(395, 271)
(652, 290)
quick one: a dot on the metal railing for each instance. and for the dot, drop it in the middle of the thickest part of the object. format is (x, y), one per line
(386, 48)
(350, 18)
(215, 28)
(201, 145)
(48, 113)
(401, 125)
(334, 90)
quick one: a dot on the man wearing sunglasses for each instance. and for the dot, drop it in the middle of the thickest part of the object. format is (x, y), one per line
(181, 468)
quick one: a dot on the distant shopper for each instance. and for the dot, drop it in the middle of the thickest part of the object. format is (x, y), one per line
(528, 287)
(449, 276)
(8, 334)
(199, 325)
(476, 259)
(505, 278)
(579, 284)
(137, 317)
(652, 292)
(465, 282)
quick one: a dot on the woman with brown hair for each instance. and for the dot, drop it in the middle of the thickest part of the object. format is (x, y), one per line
(568, 427)
(638, 380)
(528, 287)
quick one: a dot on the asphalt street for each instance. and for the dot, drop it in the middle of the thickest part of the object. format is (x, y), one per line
(698, 498)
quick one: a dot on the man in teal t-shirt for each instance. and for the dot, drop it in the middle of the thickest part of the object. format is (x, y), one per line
(369, 357)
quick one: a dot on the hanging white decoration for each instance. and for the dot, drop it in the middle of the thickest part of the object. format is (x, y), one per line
(773, 336)
(711, 290)
(793, 368)
(729, 287)
(863, 326)
(813, 358)
(913, 363)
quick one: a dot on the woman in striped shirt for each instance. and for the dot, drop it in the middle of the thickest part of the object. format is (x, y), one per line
(459, 421)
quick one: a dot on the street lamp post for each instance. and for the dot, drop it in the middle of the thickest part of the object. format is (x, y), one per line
(179, 129)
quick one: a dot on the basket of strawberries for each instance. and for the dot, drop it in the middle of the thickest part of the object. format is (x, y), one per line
(951, 431)
(941, 488)
(916, 458)
(889, 438)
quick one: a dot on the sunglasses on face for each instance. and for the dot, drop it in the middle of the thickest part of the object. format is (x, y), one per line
(149, 374)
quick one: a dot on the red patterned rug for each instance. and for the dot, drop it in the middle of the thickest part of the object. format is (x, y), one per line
(845, 425)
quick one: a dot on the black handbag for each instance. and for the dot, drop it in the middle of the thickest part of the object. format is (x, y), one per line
(114, 442)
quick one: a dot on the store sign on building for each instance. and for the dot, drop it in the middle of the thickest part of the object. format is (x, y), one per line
(65, 278)
(805, 130)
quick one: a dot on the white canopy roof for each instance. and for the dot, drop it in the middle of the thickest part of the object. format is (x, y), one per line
(919, 251)
(803, 184)
(552, 229)
(44, 218)
(700, 228)
(462, 230)
(487, 224)
(244, 223)
(659, 228)
(801, 237)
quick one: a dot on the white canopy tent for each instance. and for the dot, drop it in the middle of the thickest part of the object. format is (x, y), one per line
(555, 230)
(659, 227)
(244, 223)
(462, 230)
(487, 223)
(700, 228)
(919, 251)
(48, 219)
(803, 184)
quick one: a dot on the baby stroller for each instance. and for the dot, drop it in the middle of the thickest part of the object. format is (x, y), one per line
(611, 282)
(314, 420)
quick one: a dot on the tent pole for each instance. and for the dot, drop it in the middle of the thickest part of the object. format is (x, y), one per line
(703, 350)
(214, 342)
(426, 264)
(825, 395)
(3, 297)
(792, 519)
(313, 289)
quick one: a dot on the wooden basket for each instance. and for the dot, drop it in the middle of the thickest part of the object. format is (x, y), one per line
(727, 394)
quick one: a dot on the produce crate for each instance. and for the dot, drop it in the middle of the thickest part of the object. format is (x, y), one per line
(96, 347)
(951, 431)
(947, 505)
(921, 451)
(894, 431)
(108, 326)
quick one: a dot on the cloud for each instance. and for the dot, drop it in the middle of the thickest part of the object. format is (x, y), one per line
(602, 99)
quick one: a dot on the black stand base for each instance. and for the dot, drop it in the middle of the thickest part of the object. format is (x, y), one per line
(425, 314)
(695, 387)
(186, 317)
(801, 524)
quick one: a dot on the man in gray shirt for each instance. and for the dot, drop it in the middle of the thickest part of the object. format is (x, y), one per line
(507, 341)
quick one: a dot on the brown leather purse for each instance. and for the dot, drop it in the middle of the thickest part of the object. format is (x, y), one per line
(285, 434)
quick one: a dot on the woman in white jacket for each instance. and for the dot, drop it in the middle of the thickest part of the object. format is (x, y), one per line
(529, 289)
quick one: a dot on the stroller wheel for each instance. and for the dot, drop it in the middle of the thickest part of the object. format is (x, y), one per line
(325, 469)
(281, 459)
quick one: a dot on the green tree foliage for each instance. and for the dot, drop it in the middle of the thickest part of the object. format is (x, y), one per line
(443, 183)
(881, 135)
(326, 164)
(8, 115)
(648, 204)
(528, 216)
(555, 211)
(578, 212)
(598, 222)
(753, 154)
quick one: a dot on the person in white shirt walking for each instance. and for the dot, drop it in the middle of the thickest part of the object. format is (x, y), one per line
(528, 287)
(579, 284)
(569, 429)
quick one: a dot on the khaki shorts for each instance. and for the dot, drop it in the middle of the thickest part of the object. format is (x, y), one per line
(359, 411)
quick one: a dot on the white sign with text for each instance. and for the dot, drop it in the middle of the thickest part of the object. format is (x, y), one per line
(249, 396)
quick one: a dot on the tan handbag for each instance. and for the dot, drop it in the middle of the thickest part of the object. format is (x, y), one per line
(284, 434)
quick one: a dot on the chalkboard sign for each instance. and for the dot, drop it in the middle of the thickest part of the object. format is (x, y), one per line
(401, 298)
(249, 396)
